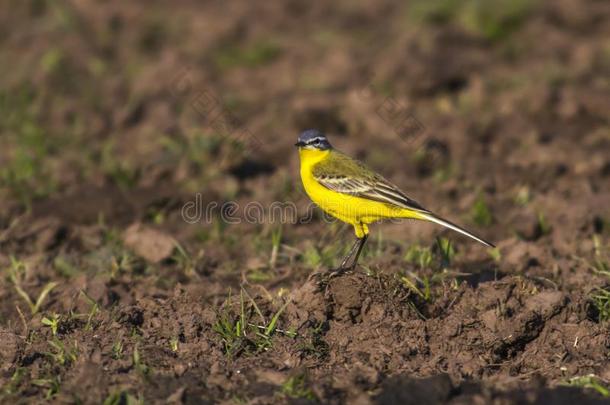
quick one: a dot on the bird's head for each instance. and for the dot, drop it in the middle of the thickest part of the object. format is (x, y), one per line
(312, 139)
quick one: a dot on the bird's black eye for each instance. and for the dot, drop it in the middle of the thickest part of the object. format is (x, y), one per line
(316, 141)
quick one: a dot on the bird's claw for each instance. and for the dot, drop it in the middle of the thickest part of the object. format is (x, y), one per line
(332, 273)
(324, 277)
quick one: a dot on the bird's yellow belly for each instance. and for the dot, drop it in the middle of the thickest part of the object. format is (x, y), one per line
(347, 208)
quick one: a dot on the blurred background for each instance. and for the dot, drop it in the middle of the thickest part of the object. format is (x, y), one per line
(126, 111)
(115, 115)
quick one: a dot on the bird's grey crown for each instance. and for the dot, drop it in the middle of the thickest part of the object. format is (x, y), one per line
(310, 134)
(315, 138)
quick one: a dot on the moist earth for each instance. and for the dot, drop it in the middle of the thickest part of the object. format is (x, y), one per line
(156, 245)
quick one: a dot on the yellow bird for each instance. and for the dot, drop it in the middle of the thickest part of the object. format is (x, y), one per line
(348, 190)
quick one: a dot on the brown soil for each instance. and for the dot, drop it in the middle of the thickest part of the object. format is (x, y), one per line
(117, 115)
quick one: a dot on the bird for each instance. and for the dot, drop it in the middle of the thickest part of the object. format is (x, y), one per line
(348, 190)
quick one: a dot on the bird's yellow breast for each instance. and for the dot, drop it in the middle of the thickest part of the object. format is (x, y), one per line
(347, 208)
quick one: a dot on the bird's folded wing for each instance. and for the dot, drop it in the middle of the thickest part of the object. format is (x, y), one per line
(345, 175)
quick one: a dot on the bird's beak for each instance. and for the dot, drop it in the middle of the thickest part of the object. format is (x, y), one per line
(299, 144)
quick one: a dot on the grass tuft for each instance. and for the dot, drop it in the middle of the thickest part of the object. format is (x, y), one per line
(493, 21)
(52, 322)
(297, 387)
(251, 56)
(276, 240)
(590, 381)
(122, 398)
(600, 298)
(601, 263)
(62, 354)
(52, 385)
(419, 255)
(138, 364)
(248, 330)
(480, 212)
(16, 273)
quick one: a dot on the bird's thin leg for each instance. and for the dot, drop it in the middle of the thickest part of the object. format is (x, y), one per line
(323, 278)
(357, 248)
(361, 241)
(349, 254)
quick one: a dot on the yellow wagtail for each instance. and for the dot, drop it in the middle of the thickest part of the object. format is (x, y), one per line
(350, 191)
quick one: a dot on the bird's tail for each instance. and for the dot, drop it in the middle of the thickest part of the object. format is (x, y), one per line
(428, 216)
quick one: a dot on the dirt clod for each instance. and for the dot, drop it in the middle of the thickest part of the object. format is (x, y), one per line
(149, 243)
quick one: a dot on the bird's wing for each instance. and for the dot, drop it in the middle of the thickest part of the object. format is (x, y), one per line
(345, 175)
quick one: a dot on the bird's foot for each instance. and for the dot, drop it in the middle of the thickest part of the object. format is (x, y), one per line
(340, 271)
(324, 277)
